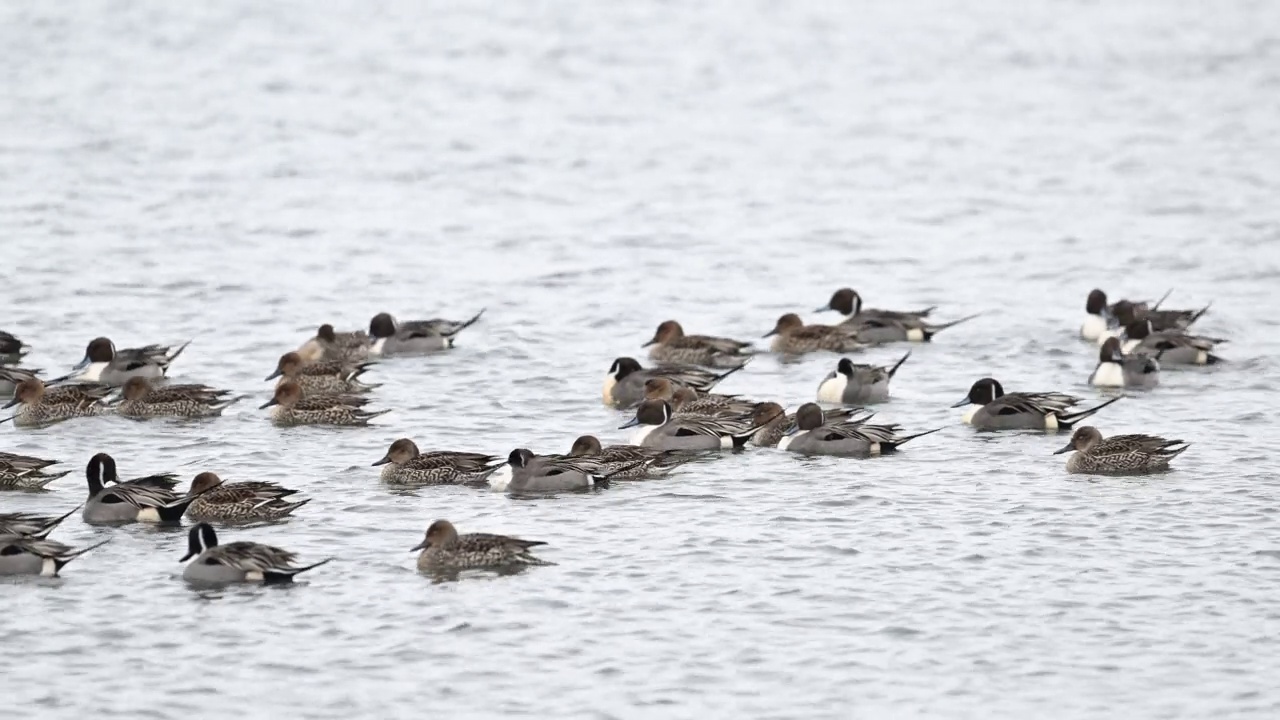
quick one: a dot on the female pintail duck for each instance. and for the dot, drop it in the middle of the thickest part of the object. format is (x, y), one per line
(1175, 347)
(142, 400)
(1120, 455)
(624, 383)
(414, 337)
(814, 434)
(11, 376)
(405, 465)
(848, 302)
(325, 377)
(292, 408)
(44, 405)
(687, 401)
(444, 549)
(237, 562)
(1115, 369)
(792, 337)
(991, 409)
(247, 501)
(328, 344)
(552, 473)
(628, 462)
(29, 525)
(32, 555)
(661, 429)
(856, 384)
(670, 346)
(149, 499)
(103, 363)
(11, 348)
(22, 472)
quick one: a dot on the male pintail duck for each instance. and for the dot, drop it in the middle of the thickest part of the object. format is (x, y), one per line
(624, 383)
(1174, 347)
(775, 423)
(149, 499)
(991, 409)
(11, 348)
(247, 501)
(23, 472)
(884, 329)
(141, 400)
(29, 525)
(325, 377)
(628, 462)
(848, 302)
(414, 337)
(792, 337)
(660, 428)
(1127, 313)
(103, 363)
(670, 346)
(444, 549)
(292, 408)
(856, 384)
(11, 376)
(687, 401)
(1121, 454)
(405, 465)
(814, 434)
(328, 344)
(31, 555)
(1115, 369)
(237, 562)
(1098, 319)
(551, 473)
(44, 405)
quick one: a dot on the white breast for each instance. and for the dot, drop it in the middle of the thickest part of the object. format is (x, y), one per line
(785, 441)
(967, 417)
(607, 393)
(832, 389)
(1129, 345)
(500, 478)
(1093, 327)
(1106, 335)
(637, 437)
(376, 348)
(92, 372)
(1108, 374)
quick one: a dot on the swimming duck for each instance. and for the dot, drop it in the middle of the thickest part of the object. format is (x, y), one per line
(687, 401)
(814, 434)
(1127, 313)
(43, 405)
(660, 428)
(628, 462)
(624, 383)
(11, 348)
(414, 337)
(328, 344)
(1115, 369)
(251, 500)
(792, 337)
(856, 384)
(1121, 454)
(670, 346)
(991, 409)
(848, 302)
(1174, 347)
(405, 465)
(324, 377)
(237, 562)
(775, 423)
(149, 499)
(142, 400)
(291, 408)
(29, 525)
(22, 472)
(552, 473)
(103, 363)
(1098, 319)
(31, 555)
(443, 548)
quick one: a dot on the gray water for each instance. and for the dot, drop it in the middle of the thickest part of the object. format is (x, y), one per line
(239, 173)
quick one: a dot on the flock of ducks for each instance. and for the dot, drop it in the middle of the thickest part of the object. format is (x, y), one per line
(677, 417)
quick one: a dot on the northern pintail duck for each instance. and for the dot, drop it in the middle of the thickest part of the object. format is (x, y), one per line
(30, 555)
(848, 302)
(444, 549)
(1115, 369)
(405, 465)
(142, 400)
(414, 337)
(103, 363)
(660, 428)
(775, 423)
(237, 562)
(670, 346)
(687, 401)
(29, 525)
(628, 462)
(814, 434)
(991, 409)
(1098, 319)
(551, 473)
(1121, 454)
(624, 383)
(792, 337)
(23, 472)
(1174, 347)
(856, 384)
(325, 377)
(11, 348)
(246, 501)
(290, 407)
(886, 329)
(1127, 313)
(149, 499)
(43, 405)
(329, 344)
(11, 376)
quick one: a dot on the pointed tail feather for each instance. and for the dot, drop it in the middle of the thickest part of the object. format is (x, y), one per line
(933, 329)
(1164, 297)
(467, 323)
(903, 440)
(275, 576)
(898, 364)
(1066, 420)
(1199, 314)
(176, 353)
(61, 562)
(51, 526)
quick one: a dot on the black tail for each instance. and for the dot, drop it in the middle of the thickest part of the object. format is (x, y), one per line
(1163, 297)
(468, 323)
(169, 360)
(59, 563)
(903, 440)
(174, 511)
(1066, 421)
(284, 576)
(1199, 314)
(935, 329)
(44, 532)
(898, 364)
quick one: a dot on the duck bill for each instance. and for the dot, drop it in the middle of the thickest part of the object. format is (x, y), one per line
(268, 404)
(272, 376)
(1065, 449)
(188, 556)
(792, 430)
(420, 546)
(824, 308)
(962, 403)
(630, 423)
(11, 403)
(651, 342)
(80, 365)
(385, 459)
(769, 334)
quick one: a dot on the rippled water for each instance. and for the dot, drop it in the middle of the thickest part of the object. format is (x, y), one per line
(242, 172)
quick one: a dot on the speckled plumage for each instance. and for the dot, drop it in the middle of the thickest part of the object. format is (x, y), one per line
(186, 401)
(1122, 454)
(670, 346)
(23, 472)
(405, 465)
(792, 337)
(629, 462)
(443, 548)
(244, 501)
(292, 408)
(42, 405)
